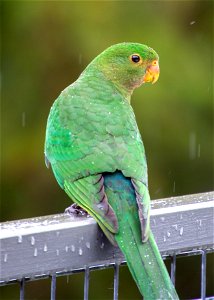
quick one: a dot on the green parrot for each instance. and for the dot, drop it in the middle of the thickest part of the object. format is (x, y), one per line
(97, 156)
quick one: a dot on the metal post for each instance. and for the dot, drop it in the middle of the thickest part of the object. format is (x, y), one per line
(116, 280)
(173, 268)
(203, 275)
(53, 287)
(22, 289)
(86, 283)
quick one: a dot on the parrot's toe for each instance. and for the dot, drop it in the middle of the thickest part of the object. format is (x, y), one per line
(75, 209)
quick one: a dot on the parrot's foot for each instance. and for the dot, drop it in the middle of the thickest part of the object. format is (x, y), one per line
(75, 209)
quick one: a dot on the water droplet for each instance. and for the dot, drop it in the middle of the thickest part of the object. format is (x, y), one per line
(150, 263)
(45, 248)
(80, 251)
(175, 226)
(164, 238)
(57, 252)
(35, 252)
(174, 187)
(192, 23)
(5, 257)
(192, 145)
(57, 233)
(92, 162)
(32, 240)
(168, 233)
(199, 150)
(72, 248)
(102, 245)
(162, 219)
(199, 222)
(181, 231)
(88, 245)
(23, 119)
(47, 162)
(66, 248)
(19, 239)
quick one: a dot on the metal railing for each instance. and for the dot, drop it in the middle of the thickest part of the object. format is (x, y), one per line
(57, 245)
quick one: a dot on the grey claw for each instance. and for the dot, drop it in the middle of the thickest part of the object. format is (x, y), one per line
(75, 209)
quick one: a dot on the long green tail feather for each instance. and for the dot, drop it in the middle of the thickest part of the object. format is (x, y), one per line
(143, 259)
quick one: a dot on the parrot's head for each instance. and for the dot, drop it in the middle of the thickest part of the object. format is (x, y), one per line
(129, 65)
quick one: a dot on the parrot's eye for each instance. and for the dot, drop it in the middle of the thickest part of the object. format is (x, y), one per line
(135, 58)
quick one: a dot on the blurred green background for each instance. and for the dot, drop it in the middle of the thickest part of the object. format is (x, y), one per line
(46, 45)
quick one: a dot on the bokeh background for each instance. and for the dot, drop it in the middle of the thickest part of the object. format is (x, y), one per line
(45, 46)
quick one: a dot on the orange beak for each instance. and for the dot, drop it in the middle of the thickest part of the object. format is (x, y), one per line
(152, 72)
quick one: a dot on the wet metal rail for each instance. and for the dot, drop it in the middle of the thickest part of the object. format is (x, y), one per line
(57, 245)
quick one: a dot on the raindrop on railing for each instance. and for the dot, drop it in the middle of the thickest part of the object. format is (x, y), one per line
(45, 248)
(32, 240)
(181, 231)
(35, 252)
(5, 257)
(72, 248)
(168, 233)
(199, 222)
(175, 226)
(19, 239)
(80, 251)
(88, 245)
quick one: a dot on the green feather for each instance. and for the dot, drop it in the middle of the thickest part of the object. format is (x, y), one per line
(143, 259)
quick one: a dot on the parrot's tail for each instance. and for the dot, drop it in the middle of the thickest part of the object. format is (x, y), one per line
(143, 259)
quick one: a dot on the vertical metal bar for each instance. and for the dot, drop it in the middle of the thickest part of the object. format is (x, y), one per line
(53, 287)
(203, 275)
(116, 280)
(86, 283)
(173, 268)
(22, 289)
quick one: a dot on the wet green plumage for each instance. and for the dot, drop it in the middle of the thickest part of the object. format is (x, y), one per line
(92, 131)
(143, 259)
